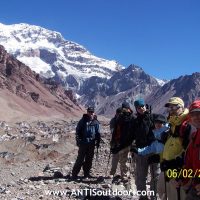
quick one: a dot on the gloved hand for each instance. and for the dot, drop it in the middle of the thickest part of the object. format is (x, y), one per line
(134, 150)
(179, 162)
(153, 159)
(97, 143)
(168, 164)
(163, 166)
(78, 142)
(115, 149)
(142, 151)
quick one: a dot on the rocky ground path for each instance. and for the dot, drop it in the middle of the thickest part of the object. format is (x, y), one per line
(36, 160)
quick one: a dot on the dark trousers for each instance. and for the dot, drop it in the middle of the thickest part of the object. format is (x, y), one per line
(192, 195)
(84, 158)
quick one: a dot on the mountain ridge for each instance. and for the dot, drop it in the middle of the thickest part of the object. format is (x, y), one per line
(25, 92)
(69, 69)
(57, 57)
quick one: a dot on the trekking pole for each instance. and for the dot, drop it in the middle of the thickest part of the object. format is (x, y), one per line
(153, 177)
(97, 157)
(165, 185)
(107, 164)
(178, 190)
(129, 163)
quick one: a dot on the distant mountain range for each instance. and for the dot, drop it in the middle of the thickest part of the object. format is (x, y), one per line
(95, 81)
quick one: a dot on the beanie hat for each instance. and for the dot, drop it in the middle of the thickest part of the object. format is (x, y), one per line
(175, 101)
(139, 103)
(125, 105)
(90, 109)
(160, 118)
(195, 106)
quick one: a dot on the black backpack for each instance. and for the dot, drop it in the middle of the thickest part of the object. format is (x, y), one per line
(123, 133)
(143, 129)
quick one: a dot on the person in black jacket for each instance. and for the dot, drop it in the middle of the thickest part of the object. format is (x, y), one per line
(87, 137)
(143, 131)
(121, 139)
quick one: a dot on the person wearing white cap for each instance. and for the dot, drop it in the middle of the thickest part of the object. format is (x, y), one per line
(174, 146)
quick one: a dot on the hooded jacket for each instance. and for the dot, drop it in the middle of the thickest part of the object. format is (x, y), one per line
(143, 130)
(87, 130)
(192, 158)
(123, 133)
(156, 146)
(173, 146)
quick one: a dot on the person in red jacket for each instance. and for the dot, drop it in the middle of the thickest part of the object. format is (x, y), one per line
(192, 158)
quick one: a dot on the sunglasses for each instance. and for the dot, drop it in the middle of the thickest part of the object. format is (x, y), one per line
(173, 107)
(141, 106)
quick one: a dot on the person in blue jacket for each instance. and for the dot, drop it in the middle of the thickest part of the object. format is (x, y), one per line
(87, 137)
(160, 134)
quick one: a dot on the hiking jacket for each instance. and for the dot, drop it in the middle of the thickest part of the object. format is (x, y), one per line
(192, 158)
(113, 123)
(123, 133)
(157, 145)
(143, 130)
(174, 146)
(87, 130)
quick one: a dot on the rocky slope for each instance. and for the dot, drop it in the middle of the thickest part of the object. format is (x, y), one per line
(187, 87)
(24, 94)
(127, 85)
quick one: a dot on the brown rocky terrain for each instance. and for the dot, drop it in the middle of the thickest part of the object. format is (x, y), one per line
(36, 159)
(23, 94)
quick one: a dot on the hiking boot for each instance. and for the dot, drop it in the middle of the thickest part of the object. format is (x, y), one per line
(110, 176)
(74, 177)
(88, 176)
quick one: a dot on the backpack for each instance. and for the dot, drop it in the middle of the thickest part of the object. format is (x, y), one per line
(185, 131)
(122, 133)
(143, 126)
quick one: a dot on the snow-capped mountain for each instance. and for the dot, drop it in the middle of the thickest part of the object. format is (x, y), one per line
(49, 54)
(161, 82)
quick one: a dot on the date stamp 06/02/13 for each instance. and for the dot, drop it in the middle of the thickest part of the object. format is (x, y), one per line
(183, 173)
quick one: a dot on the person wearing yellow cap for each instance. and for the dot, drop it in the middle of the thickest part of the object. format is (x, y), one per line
(174, 146)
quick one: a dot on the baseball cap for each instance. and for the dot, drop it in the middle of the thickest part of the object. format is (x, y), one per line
(175, 101)
(90, 109)
(160, 118)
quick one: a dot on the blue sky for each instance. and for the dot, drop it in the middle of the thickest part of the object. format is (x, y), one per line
(161, 36)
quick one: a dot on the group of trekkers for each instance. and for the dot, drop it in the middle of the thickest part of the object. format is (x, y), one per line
(166, 147)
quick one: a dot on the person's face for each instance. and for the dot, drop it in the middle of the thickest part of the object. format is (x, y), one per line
(158, 124)
(91, 114)
(174, 110)
(195, 118)
(141, 109)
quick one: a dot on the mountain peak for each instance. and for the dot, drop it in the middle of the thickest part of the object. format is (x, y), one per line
(49, 54)
(135, 67)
